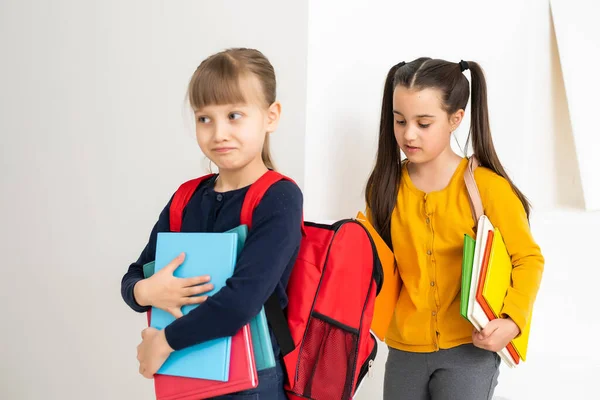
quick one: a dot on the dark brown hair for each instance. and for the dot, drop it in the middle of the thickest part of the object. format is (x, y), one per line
(423, 73)
(217, 81)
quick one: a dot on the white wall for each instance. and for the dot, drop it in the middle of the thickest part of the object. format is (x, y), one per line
(578, 37)
(350, 55)
(351, 48)
(93, 144)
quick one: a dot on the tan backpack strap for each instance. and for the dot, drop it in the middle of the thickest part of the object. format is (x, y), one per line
(474, 196)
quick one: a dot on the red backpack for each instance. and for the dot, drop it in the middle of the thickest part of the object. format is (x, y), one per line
(324, 334)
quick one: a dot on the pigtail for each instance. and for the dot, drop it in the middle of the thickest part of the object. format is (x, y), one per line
(480, 133)
(384, 181)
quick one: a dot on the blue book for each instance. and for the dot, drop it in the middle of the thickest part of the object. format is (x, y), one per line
(213, 254)
(261, 337)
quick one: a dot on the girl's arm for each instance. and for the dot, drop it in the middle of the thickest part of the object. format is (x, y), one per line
(506, 212)
(263, 267)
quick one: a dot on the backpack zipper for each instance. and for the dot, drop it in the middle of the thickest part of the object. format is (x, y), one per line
(367, 367)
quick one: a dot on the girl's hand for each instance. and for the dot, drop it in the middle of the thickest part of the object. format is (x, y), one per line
(496, 334)
(153, 351)
(169, 293)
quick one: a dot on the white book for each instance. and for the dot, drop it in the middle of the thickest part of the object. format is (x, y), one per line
(475, 312)
(478, 315)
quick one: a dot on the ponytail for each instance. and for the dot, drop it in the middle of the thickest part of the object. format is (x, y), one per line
(480, 133)
(384, 181)
(266, 154)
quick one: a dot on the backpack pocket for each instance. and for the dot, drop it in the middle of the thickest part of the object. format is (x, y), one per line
(327, 360)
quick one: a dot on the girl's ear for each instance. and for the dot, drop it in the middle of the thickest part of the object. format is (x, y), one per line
(273, 114)
(456, 119)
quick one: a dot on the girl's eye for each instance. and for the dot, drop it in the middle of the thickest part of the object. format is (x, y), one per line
(203, 120)
(424, 125)
(401, 122)
(235, 115)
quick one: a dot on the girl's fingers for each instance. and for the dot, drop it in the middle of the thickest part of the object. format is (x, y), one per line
(175, 263)
(195, 281)
(195, 300)
(194, 290)
(176, 312)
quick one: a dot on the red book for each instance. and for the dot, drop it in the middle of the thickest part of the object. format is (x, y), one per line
(481, 300)
(242, 375)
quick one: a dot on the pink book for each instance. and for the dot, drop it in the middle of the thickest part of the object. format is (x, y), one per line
(242, 375)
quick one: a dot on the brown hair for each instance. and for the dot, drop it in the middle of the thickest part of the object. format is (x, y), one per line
(384, 181)
(217, 81)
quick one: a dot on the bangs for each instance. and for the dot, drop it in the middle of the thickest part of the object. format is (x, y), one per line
(216, 82)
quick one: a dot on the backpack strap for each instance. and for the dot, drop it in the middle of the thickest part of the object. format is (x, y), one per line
(255, 194)
(278, 321)
(474, 196)
(180, 199)
(273, 311)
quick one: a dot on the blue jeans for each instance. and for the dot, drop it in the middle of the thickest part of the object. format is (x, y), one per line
(270, 386)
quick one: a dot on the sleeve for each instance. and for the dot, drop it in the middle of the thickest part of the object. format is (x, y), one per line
(135, 273)
(271, 246)
(506, 212)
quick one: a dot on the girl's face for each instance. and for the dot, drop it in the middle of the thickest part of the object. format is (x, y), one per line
(232, 135)
(421, 126)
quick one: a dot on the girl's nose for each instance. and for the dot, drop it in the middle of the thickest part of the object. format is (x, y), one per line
(410, 134)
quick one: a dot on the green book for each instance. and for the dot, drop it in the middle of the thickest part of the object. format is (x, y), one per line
(467, 269)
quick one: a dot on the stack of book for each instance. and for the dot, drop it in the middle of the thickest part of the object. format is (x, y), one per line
(486, 278)
(220, 366)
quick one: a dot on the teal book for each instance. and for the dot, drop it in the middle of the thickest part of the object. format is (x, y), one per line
(149, 269)
(261, 337)
(261, 342)
(213, 254)
(467, 271)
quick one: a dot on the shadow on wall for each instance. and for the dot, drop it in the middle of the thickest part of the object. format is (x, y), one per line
(568, 179)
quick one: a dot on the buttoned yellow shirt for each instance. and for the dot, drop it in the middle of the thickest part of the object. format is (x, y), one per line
(427, 232)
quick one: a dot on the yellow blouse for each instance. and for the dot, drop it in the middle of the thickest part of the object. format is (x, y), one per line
(427, 235)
